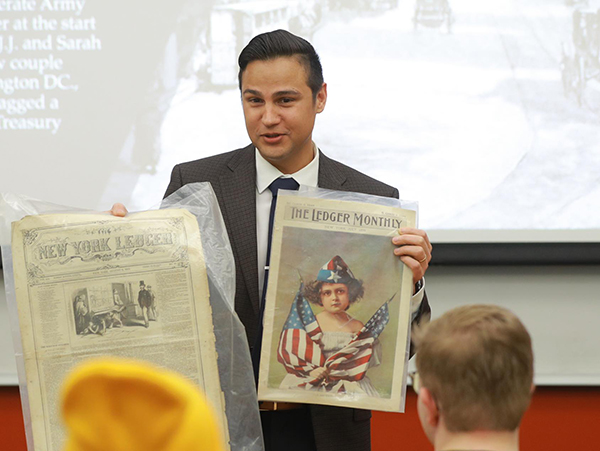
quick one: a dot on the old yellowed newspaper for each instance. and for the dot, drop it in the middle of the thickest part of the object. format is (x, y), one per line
(337, 312)
(89, 285)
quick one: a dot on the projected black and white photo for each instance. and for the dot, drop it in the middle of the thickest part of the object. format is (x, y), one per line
(485, 112)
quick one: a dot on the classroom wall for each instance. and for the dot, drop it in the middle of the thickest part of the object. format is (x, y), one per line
(560, 418)
(560, 307)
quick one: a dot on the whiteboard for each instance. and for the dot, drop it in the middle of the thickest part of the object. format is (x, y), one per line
(560, 307)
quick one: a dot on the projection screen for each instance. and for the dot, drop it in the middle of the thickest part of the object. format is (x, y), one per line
(486, 112)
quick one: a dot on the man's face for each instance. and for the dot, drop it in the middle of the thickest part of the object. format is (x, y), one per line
(334, 297)
(280, 111)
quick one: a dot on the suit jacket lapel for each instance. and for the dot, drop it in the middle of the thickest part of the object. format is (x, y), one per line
(329, 176)
(238, 190)
(239, 200)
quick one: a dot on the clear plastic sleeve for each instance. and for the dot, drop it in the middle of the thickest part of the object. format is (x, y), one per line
(233, 358)
(321, 193)
(353, 354)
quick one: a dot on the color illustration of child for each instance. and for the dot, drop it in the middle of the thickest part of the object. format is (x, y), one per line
(332, 350)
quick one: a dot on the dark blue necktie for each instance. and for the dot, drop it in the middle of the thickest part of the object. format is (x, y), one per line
(275, 186)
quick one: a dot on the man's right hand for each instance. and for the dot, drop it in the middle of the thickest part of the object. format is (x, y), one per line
(118, 210)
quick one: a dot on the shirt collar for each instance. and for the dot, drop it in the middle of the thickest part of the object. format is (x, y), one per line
(266, 173)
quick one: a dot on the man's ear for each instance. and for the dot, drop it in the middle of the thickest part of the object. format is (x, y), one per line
(321, 99)
(432, 416)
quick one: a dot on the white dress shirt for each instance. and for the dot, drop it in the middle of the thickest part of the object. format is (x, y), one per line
(266, 173)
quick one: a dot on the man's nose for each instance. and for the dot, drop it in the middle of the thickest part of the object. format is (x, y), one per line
(270, 116)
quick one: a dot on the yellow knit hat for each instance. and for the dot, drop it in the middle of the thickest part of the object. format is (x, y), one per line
(123, 405)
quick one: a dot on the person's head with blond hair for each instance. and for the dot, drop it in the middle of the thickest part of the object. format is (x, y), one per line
(124, 405)
(475, 378)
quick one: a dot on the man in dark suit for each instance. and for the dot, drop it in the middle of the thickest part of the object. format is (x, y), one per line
(145, 301)
(281, 83)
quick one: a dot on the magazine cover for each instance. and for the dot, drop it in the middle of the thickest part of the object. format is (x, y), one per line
(337, 312)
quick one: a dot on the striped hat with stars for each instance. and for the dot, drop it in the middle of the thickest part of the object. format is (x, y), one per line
(335, 271)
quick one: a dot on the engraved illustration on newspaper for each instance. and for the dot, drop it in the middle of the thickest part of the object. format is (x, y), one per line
(89, 285)
(338, 305)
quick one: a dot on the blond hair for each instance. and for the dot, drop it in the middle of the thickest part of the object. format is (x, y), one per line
(477, 362)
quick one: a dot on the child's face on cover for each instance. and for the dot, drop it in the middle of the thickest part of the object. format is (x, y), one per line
(334, 297)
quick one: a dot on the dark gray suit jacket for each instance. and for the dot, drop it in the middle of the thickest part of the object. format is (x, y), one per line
(233, 178)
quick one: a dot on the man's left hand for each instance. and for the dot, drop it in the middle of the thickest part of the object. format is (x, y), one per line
(414, 249)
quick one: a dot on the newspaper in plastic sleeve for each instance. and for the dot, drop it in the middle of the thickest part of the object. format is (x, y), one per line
(147, 287)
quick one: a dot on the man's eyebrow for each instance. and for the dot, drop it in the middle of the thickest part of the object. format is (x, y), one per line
(289, 92)
(285, 92)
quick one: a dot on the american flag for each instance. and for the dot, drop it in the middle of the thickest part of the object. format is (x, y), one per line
(300, 348)
(352, 361)
(300, 343)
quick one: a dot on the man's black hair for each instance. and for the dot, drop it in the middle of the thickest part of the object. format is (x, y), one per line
(278, 43)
